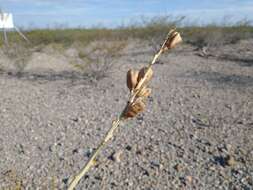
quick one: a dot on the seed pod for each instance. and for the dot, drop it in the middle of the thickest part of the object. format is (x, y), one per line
(133, 109)
(145, 92)
(174, 38)
(144, 72)
(132, 76)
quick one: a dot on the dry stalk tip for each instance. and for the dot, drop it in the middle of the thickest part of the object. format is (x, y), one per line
(137, 83)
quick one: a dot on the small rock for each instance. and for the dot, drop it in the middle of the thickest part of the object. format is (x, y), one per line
(59, 144)
(50, 124)
(229, 147)
(114, 184)
(249, 180)
(128, 147)
(116, 156)
(189, 179)
(225, 161)
(212, 168)
(99, 178)
(75, 151)
(223, 174)
(156, 164)
(230, 161)
(201, 120)
(51, 148)
(76, 119)
(138, 152)
(140, 119)
(179, 167)
(182, 180)
(145, 172)
(89, 152)
(66, 180)
(20, 149)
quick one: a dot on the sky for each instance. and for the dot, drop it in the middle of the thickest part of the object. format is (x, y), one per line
(113, 13)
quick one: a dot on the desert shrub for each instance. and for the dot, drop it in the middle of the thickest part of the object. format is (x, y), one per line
(146, 28)
(100, 58)
(19, 55)
(155, 28)
(214, 35)
(13, 38)
(151, 29)
(65, 37)
(204, 36)
(241, 30)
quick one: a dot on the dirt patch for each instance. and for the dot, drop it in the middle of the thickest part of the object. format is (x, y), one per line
(197, 131)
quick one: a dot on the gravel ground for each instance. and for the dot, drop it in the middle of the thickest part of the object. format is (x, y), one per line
(196, 133)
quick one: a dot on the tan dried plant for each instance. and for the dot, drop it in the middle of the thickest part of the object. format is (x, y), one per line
(137, 82)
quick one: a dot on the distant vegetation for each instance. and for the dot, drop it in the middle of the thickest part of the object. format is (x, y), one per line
(151, 29)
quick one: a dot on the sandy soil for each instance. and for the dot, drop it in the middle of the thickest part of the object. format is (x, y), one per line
(197, 131)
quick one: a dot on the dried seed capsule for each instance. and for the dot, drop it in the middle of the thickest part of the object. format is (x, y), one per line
(132, 76)
(129, 114)
(138, 106)
(133, 109)
(145, 74)
(174, 38)
(145, 92)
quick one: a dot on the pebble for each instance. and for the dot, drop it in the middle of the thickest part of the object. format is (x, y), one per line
(20, 149)
(89, 152)
(51, 148)
(128, 147)
(179, 167)
(116, 156)
(230, 161)
(75, 151)
(76, 119)
(189, 179)
(138, 152)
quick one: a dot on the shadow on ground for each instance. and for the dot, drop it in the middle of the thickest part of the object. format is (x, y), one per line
(221, 79)
(49, 76)
(244, 62)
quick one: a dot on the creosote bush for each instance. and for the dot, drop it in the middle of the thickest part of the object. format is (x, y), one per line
(19, 55)
(214, 35)
(100, 59)
(145, 28)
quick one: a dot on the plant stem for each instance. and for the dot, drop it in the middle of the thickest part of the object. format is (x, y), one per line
(91, 160)
(110, 132)
(140, 84)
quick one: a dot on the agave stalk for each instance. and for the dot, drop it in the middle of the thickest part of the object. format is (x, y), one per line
(138, 93)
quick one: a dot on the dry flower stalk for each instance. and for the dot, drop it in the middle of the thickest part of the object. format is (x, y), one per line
(137, 83)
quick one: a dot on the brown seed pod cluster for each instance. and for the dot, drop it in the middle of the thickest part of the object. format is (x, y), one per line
(137, 80)
(173, 39)
(134, 108)
(137, 84)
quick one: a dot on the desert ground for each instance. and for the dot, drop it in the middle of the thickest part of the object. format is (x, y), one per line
(196, 131)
